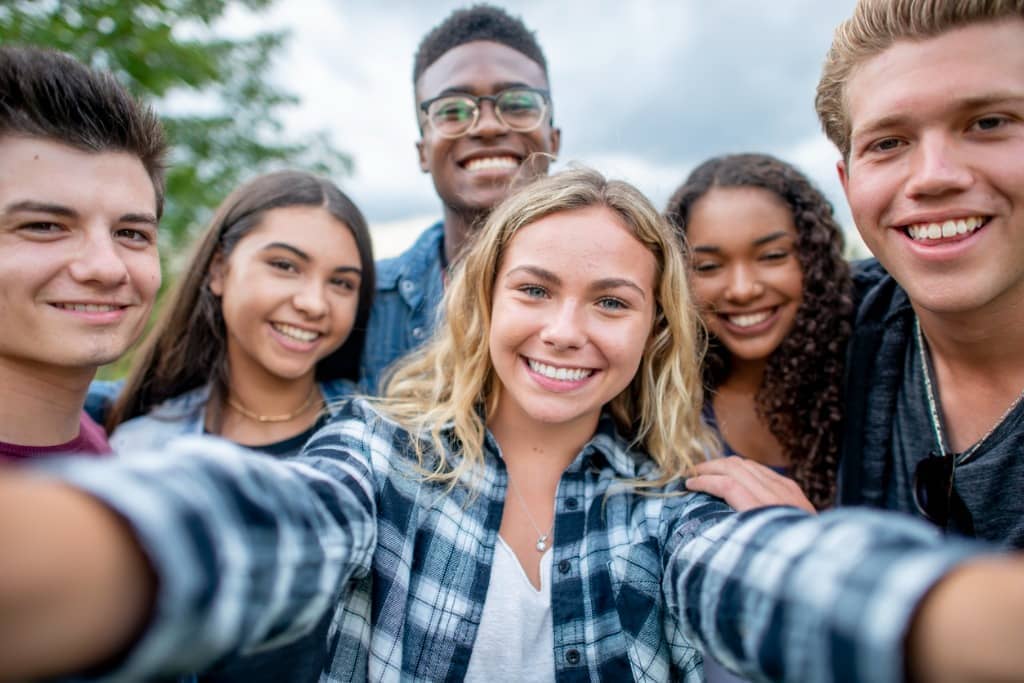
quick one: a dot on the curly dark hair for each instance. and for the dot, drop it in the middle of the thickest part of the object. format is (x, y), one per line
(799, 396)
(479, 22)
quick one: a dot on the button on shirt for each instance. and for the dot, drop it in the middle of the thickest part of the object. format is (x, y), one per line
(249, 550)
(409, 291)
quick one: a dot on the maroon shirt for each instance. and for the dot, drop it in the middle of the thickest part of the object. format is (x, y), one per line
(91, 440)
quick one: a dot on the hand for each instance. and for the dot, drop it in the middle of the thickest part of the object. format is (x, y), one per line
(746, 485)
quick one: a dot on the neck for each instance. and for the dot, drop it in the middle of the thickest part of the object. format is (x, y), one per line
(458, 225)
(41, 405)
(540, 451)
(977, 342)
(745, 376)
(265, 394)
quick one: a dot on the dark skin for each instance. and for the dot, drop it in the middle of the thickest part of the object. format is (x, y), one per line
(480, 68)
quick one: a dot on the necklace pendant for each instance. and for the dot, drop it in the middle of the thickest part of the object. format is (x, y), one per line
(542, 543)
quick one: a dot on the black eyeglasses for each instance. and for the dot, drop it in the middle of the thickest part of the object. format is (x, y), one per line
(519, 109)
(935, 496)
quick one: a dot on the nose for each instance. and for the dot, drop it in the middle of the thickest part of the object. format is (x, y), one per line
(743, 285)
(937, 168)
(564, 328)
(310, 300)
(487, 122)
(99, 261)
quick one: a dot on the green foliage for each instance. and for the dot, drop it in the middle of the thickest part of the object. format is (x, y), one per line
(169, 52)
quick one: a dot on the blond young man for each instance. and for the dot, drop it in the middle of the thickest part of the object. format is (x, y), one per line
(925, 101)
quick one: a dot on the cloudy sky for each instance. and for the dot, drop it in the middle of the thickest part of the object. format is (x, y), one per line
(643, 91)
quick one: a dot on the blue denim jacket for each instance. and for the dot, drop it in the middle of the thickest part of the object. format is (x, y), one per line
(409, 290)
(185, 414)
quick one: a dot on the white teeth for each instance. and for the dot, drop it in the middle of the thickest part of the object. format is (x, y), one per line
(749, 319)
(562, 374)
(486, 163)
(950, 228)
(89, 308)
(296, 333)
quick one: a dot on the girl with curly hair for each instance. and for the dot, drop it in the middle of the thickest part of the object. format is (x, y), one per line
(766, 265)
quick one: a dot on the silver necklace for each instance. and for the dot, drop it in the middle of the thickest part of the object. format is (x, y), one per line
(933, 404)
(542, 538)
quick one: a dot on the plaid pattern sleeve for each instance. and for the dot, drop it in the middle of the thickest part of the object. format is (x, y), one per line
(248, 551)
(777, 594)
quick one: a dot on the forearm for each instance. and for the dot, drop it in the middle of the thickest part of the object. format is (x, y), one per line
(970, 627)
(787, 596)
(243, 548)
(71, 595)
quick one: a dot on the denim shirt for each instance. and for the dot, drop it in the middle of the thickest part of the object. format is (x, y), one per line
(409, 291)
(186, 414)
(248, 550)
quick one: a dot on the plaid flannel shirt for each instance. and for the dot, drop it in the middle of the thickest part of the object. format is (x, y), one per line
(250, 552)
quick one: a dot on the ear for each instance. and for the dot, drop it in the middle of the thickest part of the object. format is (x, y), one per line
(215, 274)
(844, 178)
(421, 153)
(555, 140)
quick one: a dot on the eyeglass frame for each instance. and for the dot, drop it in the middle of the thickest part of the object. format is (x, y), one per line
(545, 95)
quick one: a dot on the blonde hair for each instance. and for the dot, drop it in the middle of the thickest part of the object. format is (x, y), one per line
(873, 28)
(445, 385)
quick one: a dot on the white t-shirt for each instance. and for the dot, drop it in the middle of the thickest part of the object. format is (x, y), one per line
(516, 640)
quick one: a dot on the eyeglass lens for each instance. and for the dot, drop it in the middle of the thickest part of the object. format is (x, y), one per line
(517, 108)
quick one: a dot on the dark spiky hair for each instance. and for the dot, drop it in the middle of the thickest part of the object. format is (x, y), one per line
(479, 22)
(48, 95)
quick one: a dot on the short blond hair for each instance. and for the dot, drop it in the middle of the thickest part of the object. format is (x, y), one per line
(451, 382)
(873, 28)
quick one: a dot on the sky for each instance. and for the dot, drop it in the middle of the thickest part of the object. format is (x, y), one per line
(643, 91)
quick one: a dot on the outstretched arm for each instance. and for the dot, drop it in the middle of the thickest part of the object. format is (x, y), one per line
(776, 593)
(242, 549)
(63, 622)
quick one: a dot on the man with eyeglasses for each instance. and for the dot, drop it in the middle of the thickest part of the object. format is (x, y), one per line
(485, 117)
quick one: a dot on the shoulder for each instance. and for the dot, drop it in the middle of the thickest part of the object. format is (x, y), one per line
(412, 261)
(179, 415)
(877, 295)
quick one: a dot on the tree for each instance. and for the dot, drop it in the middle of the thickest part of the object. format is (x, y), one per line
(166, 51)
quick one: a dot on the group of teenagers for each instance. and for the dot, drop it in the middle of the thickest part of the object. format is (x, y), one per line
(499, 455)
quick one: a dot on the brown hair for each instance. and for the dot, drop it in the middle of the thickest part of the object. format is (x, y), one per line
(188, 346)
(873, 28)
(47, 94)
(799, 396)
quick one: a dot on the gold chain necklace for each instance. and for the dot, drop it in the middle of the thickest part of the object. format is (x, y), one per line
(542, 538)
(275, 418)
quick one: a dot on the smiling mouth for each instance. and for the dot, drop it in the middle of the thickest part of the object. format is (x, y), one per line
(493, 163)
(296, 333)
(744, 320)
(559, 374)
(931, 232)
(90, 308)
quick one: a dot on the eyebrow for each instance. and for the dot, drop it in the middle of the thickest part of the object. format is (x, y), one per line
(770, 237)
(602, 284)
(305, 257)
(470, 90)
(968, 103)
(61, 210)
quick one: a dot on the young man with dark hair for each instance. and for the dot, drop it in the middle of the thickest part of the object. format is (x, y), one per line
(485, 117)
(81, 191)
